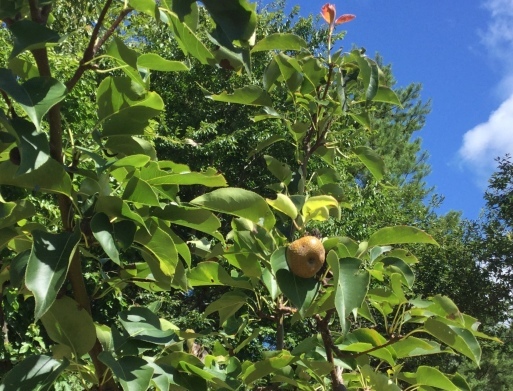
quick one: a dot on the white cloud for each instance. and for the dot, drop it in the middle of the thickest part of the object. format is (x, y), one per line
(486, 141)
(494, 138)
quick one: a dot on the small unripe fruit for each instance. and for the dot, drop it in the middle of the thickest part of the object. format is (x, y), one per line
(305, 256)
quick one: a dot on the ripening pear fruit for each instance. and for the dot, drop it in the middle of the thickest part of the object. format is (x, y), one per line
(305, 256)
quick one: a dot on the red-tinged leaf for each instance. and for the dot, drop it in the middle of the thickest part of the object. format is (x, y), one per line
(328, 13)
(344, 18)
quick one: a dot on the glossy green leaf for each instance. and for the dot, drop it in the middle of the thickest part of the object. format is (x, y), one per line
(155, 62)
(300, 291)
(140, 192)
(227, 305)
(115, 207)
(36, 96)
(23, 68)
(238, 202)
(398, 265)
(284, 204)
(432, 377)
(262, 368)
(400, 234)
(209, 374)
(237, 19)
(133, 373)
(124, 109)
(209, 178)
(211, 273)
(48, 265)
(29, 35)
(280, 170)
(69, 324)
(187, 11)
(289, 71)
(317, 207)
(458, 338)
(412, 346)
(191, 217)
(266, 143)
(386, 95)
(142, 324)
(378, 381)
(35, 373)
(280, 41)
(158, 242)
(127, 60)
(372, 161)
(103, 231)
(12, 212)
(136, 160)
(187, 40)
(33, 146)
(248, 95)
(351, 285)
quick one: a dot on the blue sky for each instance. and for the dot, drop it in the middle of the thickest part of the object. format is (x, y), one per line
(462, 53)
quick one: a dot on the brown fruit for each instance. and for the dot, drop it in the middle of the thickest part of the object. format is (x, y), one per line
(305, 256)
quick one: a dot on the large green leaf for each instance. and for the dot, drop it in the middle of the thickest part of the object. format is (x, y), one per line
(48, 265)
(211, 273)
(115, 207)
(290, 71)
(280, 41)
(429, 376)
(103, 231)
(260, 369)
(160, 243)
(188, 40)
(378, 381)
(284, 204)
(29, 35)
(12, 212)
(142, 324)
(458, 338)
(237, 19)
(127, 59)
(50, 177)
(209, 178)
(139, 191)
(157, 63)
(386, 95)
(238, 202)
(192, 217)
(280, 170)
(35, 373)
(227, 305)
(400, 234)
(133, 373)
(123, 109)
(300, 291)
(36, 96)
(412, 346)
(372, 161)
(248, 95)
(351, 285)
(69, 324)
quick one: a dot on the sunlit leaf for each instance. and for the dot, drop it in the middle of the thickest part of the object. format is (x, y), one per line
(280, 41)
(48, 265)
(400, 234)
(248, 95)
(372, 161)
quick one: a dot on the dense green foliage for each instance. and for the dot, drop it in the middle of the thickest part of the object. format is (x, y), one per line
(131, 271)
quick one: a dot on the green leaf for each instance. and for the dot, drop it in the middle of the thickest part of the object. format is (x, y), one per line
(115, 207)
(127, 59)
(458, 338)
(237, 19)
(103, 231)
(378, 381)
(398, 265)
(123, 108)
(140, 192)
(69, 324)
(284, 204)
(142, 324)
(209, 178)
(29, 35)
(429, 376)
(238, 202)
(280, 41)
(317, 207)
(265, 367)
(372, 161)
(36, 96)
(351, 285)
(248, 95)
(188, 41)
(300, 291)
(35, 373)
(133, 373)
(289, 71)
(12, 212)
(191, 217)
(160, 243)
(280, 170)
(211, 273)
(400, 234)
(155, 62)
(386, 95)
(266, 143)
(227, 305)
(412, 346)
(48, 265)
